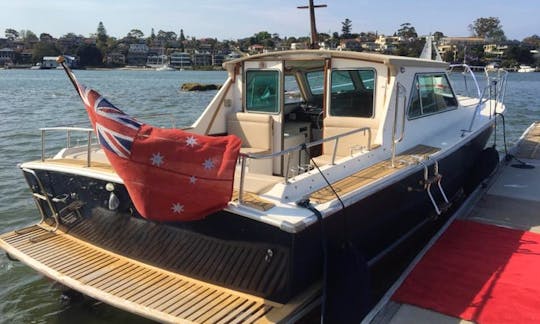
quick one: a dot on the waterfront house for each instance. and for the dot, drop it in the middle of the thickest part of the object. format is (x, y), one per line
(116, 58)
(202, 59)
(137, 54)
(7, 56)
(180, 59)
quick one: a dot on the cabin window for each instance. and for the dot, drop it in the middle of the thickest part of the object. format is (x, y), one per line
(431, 93)
(262, 91)
(352, 93)
(292, 92)
(315, 81)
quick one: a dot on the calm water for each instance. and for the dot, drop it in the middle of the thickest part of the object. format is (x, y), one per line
(30, 99)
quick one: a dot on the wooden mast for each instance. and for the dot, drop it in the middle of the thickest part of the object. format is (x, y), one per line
(314, 37)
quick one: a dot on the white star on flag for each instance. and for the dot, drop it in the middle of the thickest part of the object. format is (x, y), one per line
(177, 208)
(192, 180)
(208, 164)
(191, 141)
(157, 159)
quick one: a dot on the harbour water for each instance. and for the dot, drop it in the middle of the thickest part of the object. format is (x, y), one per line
(30, 99)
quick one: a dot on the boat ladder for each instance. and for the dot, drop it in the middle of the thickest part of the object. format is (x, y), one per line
(435, 179)
(69, 214)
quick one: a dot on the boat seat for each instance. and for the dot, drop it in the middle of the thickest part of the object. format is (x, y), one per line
(349, 144)
(255, 131)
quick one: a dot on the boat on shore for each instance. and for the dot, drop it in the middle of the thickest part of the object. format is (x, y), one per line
(343, 157)
(526, 69)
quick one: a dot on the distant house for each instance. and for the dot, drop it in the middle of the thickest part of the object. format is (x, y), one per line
(256, 49)
(137, 54)
(351, 44)
(388, 44)
(180, 59)
(7, 56)
(116, 58)
(495, 50)
(49, 62)
(218, 59)
(202, 59)
(298, 46)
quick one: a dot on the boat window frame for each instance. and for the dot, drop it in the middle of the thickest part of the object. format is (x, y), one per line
(413, 88)
(280, 81)
(374, 98)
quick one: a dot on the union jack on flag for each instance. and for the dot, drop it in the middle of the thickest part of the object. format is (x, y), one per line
(115, 130)
(170, 174)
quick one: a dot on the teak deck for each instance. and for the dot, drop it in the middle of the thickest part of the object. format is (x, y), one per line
(373, 173)
(137, 287)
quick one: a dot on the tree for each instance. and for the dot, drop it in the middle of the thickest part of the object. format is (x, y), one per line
(532, 41)
(488, 28)
(44, 49)
(101, 39)
(407, 31)
(437, 36)
(135, 33)
(101, 34)
(28, 36)
(89, 55)
(182, 37)
(11, 34)
(44, 37)
(346, 27)
(167, 36)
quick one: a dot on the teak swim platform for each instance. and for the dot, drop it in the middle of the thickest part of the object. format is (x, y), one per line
(137, 287)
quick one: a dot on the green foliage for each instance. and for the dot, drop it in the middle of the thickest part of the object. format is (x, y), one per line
(407, 31)
(346, 27)
(136, 33)
(89, 55)
(489, 28)
(532, 41)
(437, 36)
(11, 34)
(44, 49)
(520, 54)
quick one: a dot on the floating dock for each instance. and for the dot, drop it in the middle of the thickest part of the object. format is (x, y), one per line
(507, 209)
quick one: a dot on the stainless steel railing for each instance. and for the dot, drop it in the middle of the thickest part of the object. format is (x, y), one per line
(492, 93)
(298, 148)
(68, 131)
(401, 92)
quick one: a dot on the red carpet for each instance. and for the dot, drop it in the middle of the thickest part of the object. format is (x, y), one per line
(478, 272)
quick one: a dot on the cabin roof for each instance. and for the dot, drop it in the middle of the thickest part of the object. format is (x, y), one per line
(390, 60)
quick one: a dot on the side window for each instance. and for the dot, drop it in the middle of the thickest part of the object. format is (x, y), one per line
(352, 93)
(315, 81)
(262, 89)
(292, 92)
(431, 93)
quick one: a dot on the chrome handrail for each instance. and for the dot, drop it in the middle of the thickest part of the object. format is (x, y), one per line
(244, 156)
(400, 90)
(493, 93)
(69, 129)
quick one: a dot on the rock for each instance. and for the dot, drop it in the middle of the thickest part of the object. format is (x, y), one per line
(192, 86)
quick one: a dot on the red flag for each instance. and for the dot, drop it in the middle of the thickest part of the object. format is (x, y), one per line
(170, 174)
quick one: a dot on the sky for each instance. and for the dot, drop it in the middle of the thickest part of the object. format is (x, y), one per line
(235, 19)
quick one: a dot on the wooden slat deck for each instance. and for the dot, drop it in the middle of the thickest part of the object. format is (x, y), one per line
(253, 200)
(137, 287)
(373, 173)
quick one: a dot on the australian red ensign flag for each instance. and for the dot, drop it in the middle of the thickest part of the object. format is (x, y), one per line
(170, 174)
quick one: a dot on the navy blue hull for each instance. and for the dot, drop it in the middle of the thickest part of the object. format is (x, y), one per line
(237, 252)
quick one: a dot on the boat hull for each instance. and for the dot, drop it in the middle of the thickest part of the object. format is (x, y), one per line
(254, 257)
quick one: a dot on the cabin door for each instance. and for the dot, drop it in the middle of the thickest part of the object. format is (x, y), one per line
(264, 95)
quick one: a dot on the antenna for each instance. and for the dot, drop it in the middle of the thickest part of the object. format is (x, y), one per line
(314, 37)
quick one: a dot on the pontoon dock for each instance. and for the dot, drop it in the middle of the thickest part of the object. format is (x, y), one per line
(511, 202)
